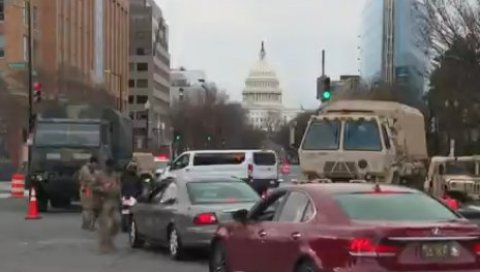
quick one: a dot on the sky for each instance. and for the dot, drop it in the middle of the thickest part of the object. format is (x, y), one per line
(222, 37)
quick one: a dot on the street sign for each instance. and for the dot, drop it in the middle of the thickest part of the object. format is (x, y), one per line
(18, 65)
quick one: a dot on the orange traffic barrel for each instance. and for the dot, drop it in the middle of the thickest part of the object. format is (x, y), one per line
(18, 186)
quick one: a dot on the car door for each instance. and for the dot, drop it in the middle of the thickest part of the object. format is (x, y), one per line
(283, 237)
(164, 211)
(245, 239)
(150, 211)
(179, 166)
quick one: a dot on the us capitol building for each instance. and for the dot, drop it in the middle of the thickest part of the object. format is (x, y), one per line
(262, 97)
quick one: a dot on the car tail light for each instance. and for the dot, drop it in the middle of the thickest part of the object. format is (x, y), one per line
(250, 170)
(365, 247)
(205, 219)
(476, 248)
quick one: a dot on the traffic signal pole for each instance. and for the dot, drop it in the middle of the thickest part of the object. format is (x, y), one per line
(30, 85)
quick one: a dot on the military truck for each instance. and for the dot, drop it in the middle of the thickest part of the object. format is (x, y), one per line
(374, 141)
(65, 138)
(460, 176)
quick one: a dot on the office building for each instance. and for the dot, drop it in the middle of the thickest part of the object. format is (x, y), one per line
(149, 81)
(392, 48)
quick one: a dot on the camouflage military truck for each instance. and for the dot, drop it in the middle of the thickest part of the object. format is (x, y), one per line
(375, 141)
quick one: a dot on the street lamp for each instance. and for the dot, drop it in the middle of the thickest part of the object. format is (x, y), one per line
(120, 77)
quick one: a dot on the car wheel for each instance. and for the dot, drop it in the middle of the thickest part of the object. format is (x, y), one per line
(218, 259)
(176, 250)
(133, 238)
(307, 266)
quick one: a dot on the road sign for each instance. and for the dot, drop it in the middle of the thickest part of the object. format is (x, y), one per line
(17, 65)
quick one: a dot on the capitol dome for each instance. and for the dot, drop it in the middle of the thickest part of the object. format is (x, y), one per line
(262, 86)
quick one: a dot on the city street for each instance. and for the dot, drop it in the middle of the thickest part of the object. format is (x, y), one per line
(56, 243)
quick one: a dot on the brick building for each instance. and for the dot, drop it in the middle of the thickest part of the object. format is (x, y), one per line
(80, 52)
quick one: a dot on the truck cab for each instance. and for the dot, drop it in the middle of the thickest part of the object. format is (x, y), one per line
(60, 148)
(375, 141)
(346, 146)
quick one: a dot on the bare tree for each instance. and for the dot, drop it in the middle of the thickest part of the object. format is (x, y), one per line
(216, 125)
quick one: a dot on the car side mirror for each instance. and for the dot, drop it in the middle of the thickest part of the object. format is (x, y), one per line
(241, 216)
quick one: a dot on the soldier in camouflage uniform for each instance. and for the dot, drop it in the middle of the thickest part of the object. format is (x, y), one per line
(86, 178)
(107, 190)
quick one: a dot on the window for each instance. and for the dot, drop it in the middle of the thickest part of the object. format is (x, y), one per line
(2, 10)
(142, 99)
(218, 158)
(264, 158)
(131, 83)
(142, 66)
(294, 208)
(322, 135)
(394, 207)
(385, 137)
(142, 83)
(266, 210)
(67, 134)
(2, 46)
(140, 51)
(362, 135)
(35, 17)
(181, 162)
(309, 212)
(220, 192)
(131, 99)
(131, 66)
(169, 194)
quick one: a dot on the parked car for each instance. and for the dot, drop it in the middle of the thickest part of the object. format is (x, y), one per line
(347, 227)
(257, 167)
(184, 213)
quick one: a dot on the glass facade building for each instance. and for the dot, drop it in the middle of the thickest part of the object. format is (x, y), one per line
(400, 20)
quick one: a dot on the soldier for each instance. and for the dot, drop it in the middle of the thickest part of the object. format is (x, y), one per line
(107, 190)
(86, 177)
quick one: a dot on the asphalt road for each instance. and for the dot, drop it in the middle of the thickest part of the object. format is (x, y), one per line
(56, 243)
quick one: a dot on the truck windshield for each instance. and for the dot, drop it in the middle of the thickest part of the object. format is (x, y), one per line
(322, 135)
(460, 168)
(67, 134)
(362, 135)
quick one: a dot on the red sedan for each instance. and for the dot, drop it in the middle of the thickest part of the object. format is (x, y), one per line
(346, 228)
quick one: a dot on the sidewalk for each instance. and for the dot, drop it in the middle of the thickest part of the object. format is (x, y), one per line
(5, 189)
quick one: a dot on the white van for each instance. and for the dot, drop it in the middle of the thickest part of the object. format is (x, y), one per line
(258, 167)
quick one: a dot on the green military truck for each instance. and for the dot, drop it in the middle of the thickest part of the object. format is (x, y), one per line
(65, 138)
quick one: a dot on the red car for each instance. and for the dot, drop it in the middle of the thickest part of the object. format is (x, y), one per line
(346, 228)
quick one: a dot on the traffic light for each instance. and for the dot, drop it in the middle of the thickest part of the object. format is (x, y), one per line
(37, 88)
(327, 90)
(209, 138)
(177, 136)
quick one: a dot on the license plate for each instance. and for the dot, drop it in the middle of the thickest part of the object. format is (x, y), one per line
(436, 250)
(125, 211)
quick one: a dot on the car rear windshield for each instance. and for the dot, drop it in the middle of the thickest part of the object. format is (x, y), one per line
(264, 158)
(220, 192)
(394, 207)
(218, 158)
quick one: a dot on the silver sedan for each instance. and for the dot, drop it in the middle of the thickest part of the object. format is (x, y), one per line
(184, 214)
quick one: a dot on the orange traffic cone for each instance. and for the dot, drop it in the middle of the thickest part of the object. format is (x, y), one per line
(32, 212)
